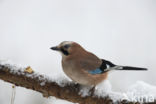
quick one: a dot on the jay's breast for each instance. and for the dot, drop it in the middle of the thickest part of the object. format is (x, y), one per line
(76, 75)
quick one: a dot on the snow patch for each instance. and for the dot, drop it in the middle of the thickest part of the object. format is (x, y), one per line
(139, 92)
(85, 90)
(11, 65)
(142, 92)
(61, 79)
(104, 89)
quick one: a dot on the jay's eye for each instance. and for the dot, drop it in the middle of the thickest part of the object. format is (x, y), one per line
(66, 46)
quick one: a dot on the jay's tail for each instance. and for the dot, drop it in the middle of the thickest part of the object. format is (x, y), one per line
(108, 66)
(130, 68)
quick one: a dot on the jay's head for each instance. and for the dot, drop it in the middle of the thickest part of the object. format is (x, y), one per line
(68, 48)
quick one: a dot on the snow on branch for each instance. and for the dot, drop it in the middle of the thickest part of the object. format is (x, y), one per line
(25, 77)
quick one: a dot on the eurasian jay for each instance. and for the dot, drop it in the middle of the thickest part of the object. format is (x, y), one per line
(84, 67)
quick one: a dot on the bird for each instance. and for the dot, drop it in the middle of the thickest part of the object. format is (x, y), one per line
(84, 67)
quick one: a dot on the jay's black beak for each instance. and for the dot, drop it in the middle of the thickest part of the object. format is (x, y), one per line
(55, 48)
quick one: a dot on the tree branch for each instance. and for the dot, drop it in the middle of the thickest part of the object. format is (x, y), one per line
(42, 84)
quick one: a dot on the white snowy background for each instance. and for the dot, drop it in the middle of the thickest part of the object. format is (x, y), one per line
(123, 31)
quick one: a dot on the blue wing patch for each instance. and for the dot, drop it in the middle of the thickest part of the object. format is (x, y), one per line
(96, 71)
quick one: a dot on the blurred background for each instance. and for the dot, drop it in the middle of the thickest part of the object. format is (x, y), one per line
(123, 31)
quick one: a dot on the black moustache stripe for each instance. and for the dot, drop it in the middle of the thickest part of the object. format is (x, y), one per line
(64, 52)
